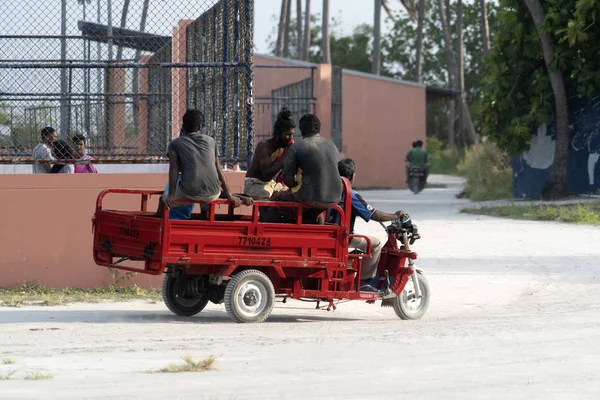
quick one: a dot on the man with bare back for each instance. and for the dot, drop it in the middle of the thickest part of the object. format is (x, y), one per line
(268, 159)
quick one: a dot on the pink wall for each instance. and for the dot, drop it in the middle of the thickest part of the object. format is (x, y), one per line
(267, 79)
(46, 234)
(380, 120)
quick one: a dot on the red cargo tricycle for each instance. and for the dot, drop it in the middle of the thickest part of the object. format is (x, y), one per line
(239, 260)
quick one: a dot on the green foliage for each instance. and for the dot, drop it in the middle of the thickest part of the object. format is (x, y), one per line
(446, 162)
(517, 95)
(433, 146)
(443, 161)
(587, 213)
(488, 173)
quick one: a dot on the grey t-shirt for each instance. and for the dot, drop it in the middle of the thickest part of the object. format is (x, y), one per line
(317, 157)
(197, 155)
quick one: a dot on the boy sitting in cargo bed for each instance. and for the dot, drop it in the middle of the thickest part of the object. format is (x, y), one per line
(194, 155)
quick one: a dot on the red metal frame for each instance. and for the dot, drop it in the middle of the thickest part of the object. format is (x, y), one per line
(302, 260)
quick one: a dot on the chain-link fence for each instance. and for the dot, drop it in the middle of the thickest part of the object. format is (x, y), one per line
(122, 73)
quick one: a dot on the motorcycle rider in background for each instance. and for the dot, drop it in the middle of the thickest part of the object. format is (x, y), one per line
(417, 157)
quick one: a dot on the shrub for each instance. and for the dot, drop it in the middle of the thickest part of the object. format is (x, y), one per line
(442, 161)
(488, 173)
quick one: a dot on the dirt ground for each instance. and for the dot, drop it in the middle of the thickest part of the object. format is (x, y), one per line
(515, 314)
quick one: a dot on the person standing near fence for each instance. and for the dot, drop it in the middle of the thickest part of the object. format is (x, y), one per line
(43, 151)
(81, 154)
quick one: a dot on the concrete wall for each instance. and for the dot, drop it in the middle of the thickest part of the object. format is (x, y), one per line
(46, 235)
(380, 119)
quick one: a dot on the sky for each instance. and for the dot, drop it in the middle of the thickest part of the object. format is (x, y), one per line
(350, 12)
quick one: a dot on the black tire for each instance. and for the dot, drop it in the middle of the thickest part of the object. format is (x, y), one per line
(415, 184)
(404, 307)
(176, 300)
(249, 297)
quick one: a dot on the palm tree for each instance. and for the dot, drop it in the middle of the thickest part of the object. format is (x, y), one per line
(451, 70)
(282, 24)
(306, 44)
(485, 30)
(286, 32)
(376, 59)
(299, 38)
(460, 69)
(420, 33)
(409, 5)
(325, 48)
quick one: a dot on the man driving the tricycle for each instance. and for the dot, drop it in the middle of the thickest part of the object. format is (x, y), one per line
(360, 208)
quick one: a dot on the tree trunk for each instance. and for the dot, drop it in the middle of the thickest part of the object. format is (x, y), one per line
(286, 35)
(485, 30)
(306, 45)
(299, 38)
(376, 60)
(325, 48)
(451, 71)
(420, 23)
(556, 185)
(448, 11)
(465, 123)
(281, 31)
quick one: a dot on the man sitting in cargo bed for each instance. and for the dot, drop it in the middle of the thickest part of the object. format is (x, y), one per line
(194, 154)
(311, 164)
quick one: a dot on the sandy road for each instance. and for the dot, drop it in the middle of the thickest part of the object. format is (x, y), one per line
(515, 314)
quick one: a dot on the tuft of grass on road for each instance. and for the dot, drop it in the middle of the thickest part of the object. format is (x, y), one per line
(7, 376)
(584, 214)
(37, 376)
(189, 365)
(8, 360)
(28, 293)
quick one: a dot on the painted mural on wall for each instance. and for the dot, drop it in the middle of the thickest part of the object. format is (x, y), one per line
(531, 169)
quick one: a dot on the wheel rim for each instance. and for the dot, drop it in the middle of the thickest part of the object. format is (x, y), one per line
(180, 291)
(410, 303)
(252, 298)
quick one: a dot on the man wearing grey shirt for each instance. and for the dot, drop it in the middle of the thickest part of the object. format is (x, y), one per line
(194, 154)
(310, 170)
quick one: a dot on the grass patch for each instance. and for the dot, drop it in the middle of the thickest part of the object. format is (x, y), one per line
(189, 365)
(37, 293)
(37, 376)
(8, 360)
(585, 214)
(7, 376)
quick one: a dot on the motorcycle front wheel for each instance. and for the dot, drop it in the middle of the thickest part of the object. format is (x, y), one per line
(407, 306)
